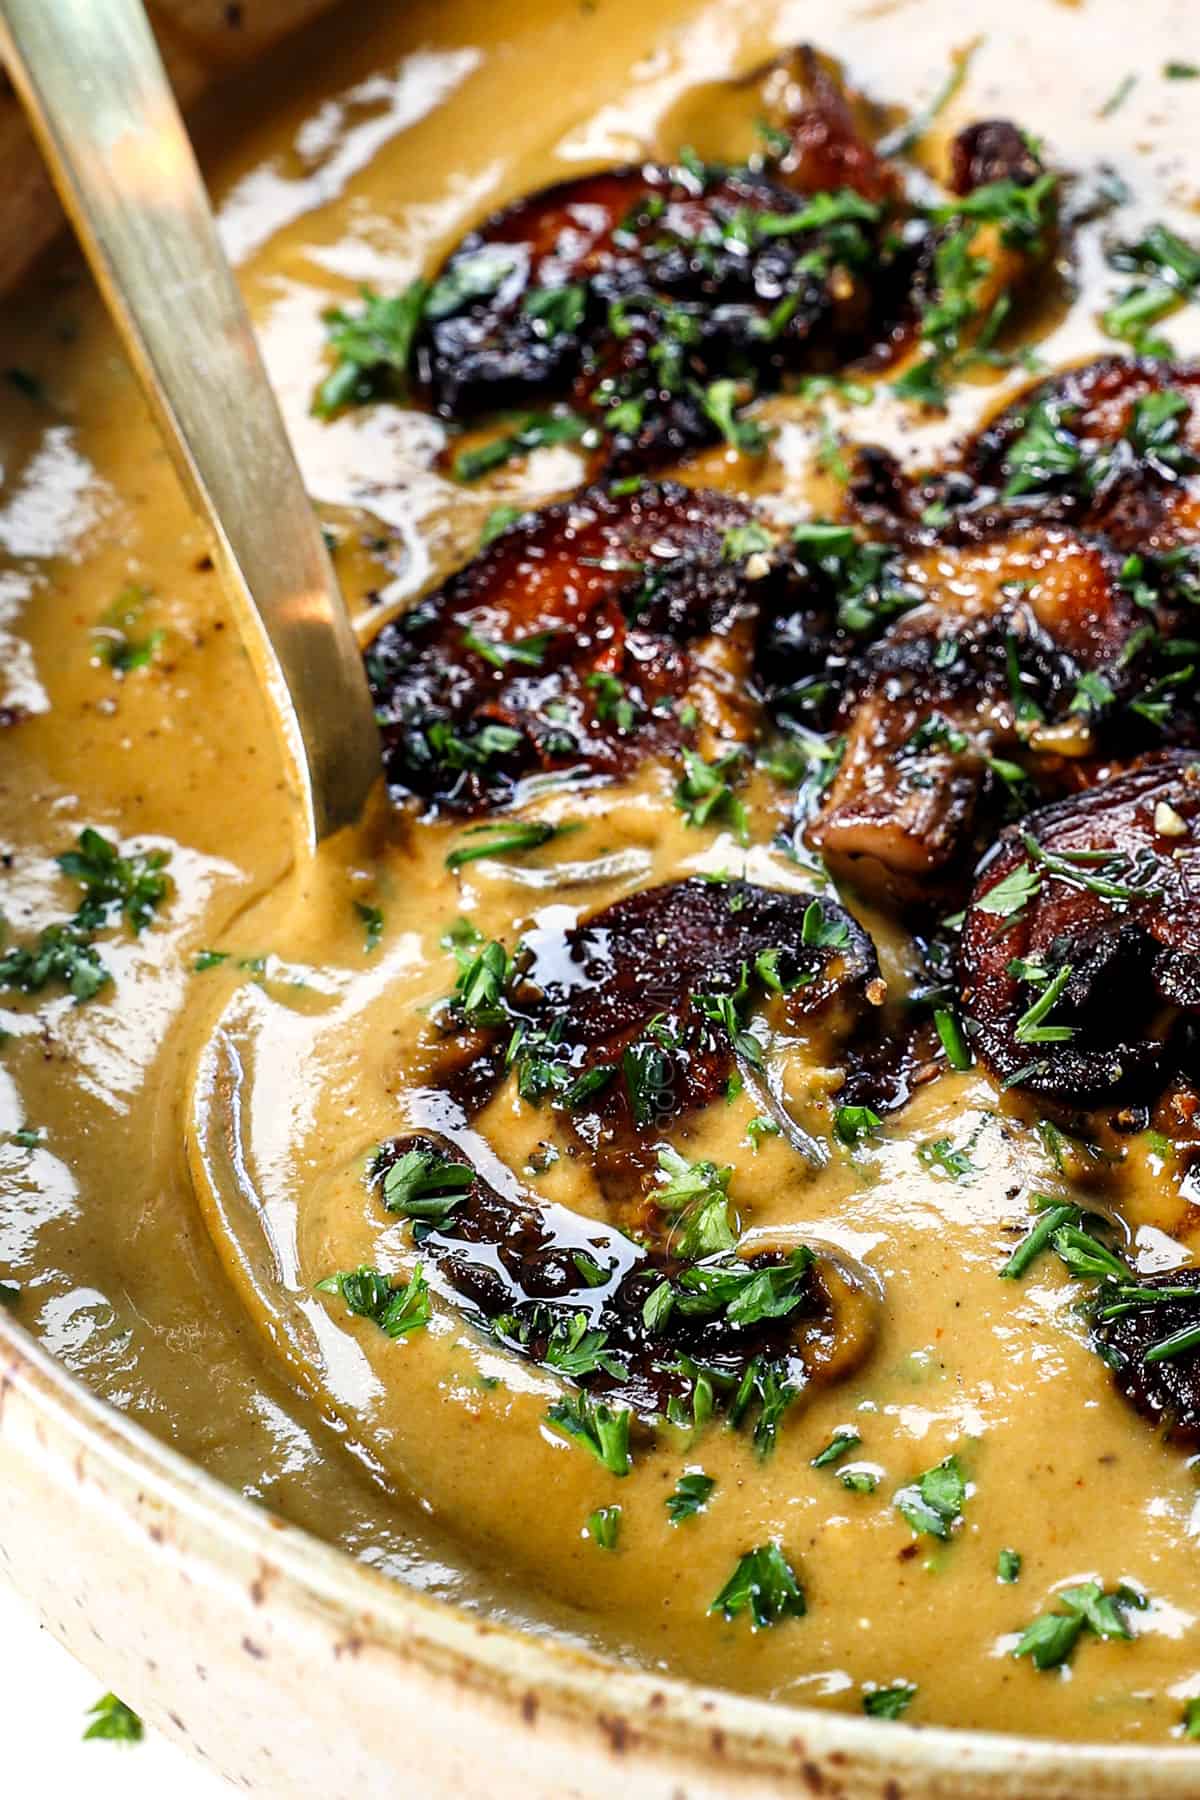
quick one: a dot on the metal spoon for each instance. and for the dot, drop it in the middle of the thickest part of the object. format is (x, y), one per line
(91, 79)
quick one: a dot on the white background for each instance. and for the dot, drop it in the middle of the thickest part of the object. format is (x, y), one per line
(44, 1698)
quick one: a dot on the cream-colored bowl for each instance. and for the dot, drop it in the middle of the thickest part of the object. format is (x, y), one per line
(298, 1672)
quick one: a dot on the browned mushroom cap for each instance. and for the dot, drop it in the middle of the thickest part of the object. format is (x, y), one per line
(1112, 447)
(1159, 1377)
(638, 1015)
(1019, 661)
(571, 642)
(1081, 946)
(992, 150)
(528, 1271)
(636, 289)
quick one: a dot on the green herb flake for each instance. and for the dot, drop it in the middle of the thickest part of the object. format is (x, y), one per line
(840, 1444)
(853, 1123)
(604, 1527)
(397, 1309)
(933, 1504)
(889, 1702)
(114, 1722)
(763, 1584)
(426, 1186)
(371, 348)
(1008, 1566)
(953, 1039)
(209, 959)
(371, 919)
(497, 523)
(536, 431)
(1051, 1639)
(596, 1428)
(690, 1496)
(481, 841)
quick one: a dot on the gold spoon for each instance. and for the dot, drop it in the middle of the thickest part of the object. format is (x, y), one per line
(91, 79)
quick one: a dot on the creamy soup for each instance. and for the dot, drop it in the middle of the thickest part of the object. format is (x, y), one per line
(187, 1147)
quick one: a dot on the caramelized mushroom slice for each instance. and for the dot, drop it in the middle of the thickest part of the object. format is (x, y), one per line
(756, 1331)
(1153, 1349)
(638, 1015)
(1019, 662)
(573, 641)
(661, 296)
(1080, 951)
(1112, 447)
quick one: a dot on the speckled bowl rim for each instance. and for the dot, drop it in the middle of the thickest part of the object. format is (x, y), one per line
(634, 1712)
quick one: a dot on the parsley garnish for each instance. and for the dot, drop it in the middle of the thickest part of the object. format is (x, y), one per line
(763, 1584)
(1052, 1637)
(705, 792)
(889, 1702)
(933, 1504)
(396, 1310)
(1008, 1566)
(536, 431)
(497, 523)
(697, 1194)
(819, 931)
(576, 1350)
(604, 1527)
(114, 886)
(1030, 1029)
(114, 1722)
(426, 1186)
(479, 841)
(113, 642)
(853, 1123)
(840, 1444)
(372, 347)
(596, 1427)
(372, 920)
(690, 1497)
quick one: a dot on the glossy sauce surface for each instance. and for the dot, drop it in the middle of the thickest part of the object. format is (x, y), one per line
(201, 1137)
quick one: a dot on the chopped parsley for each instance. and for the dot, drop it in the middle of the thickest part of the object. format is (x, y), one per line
(853, 1123)
(115, 886)
(705, 792)
(371, 348)
(426, 1186)
(1051, 1639)
(535, 432)
(933, 1504)
(690, 1496)
(114, 1722)
(527, 652)
(396, 1309)
(595, 1427)
(575, 1349)
(819, 931)
(889, 1702)
(479, 841)
(372, 922)
(604, 1527)
(1008, 1566)
(1030, 1028)
(697, 1196)
(114, 642)
(497, 523)
(953, 1039)
(840, 1444)
(763, 1584)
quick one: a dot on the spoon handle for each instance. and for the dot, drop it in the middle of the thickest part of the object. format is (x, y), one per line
(91, 78)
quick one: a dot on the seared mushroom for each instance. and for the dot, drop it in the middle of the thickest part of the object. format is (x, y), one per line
(573, 641)
(639, 1015)
(660, 297)
(1112, 447)
(1080, 958)
(1151, 1341)
(634, 1327)
(1020, 660)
